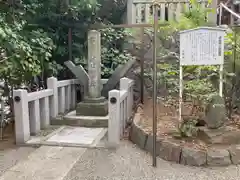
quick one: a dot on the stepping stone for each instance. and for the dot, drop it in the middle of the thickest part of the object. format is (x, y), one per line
(77, 135)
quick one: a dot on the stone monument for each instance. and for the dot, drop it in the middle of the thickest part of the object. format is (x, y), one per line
(215, 112)
(93, 103)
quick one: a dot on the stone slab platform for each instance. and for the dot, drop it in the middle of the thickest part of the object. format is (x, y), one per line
(67, 136)
(71, 119)
(45, 163)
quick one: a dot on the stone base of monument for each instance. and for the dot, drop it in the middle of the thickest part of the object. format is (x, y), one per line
(92, 107)
(72, 119)
(224, 135)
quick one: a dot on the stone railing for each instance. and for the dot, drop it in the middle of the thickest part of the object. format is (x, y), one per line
(66, 94)
(34, 110)
(120, 109)
(141, 11)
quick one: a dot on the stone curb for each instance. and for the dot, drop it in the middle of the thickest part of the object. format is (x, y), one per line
(174, 152)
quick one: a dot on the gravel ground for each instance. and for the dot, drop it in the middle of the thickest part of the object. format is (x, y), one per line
(10, 157)
(128, 162)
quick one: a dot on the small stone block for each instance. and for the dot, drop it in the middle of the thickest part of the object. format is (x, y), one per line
(149, 145)
(235, 154)
(218, 157)
(193, 157)
(92, 108)
(170, 151)
(223, 135)
(138, 136)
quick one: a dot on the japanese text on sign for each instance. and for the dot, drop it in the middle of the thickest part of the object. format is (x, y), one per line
(202, 47)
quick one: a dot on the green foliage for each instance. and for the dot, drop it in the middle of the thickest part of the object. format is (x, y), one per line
(199, 89)
(34, 36)
(197, 85)
(112, 51)
(194, 17)
(232, 69)
(168, 73)
(188, 128)
(56, 18)
(23, 50)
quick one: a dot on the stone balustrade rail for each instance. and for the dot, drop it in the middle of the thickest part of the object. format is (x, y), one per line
(120, 109)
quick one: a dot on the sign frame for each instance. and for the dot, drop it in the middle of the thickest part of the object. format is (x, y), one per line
(220, 61)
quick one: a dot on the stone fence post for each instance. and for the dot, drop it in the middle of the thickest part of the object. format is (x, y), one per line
(114, 118)
(125, 85)
(53, 100)
(21, 112)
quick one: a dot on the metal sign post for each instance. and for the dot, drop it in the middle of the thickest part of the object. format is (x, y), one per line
(154, 128)
(142, 65)
(155, 26)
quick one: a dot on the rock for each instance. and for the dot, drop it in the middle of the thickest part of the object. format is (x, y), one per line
(119, 72)
(235, 154)
(218, 157)
(148, 82)
(215, 112)
(138, 136)
(149, 145)
(193, 157)
(224, 135)
(170, 151)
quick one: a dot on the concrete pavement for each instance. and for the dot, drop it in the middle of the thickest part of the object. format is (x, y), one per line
(130, 163)
(46, 163)
(11, 157)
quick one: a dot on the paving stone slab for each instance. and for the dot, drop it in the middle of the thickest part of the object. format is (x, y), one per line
(70, 136)
(193, 157)
(11, 157)
(45, 163)
(218, 157)
(76, 135)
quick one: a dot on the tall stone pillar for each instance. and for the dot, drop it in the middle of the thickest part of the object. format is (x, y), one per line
(94, 104)
(94, 64)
